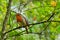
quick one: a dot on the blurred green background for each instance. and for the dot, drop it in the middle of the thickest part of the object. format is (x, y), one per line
(34, 11)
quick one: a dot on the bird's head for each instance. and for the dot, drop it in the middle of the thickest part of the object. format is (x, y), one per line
(18, 14)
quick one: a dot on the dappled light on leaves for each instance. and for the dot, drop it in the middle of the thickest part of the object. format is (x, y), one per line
(29, 19)
(53, 3)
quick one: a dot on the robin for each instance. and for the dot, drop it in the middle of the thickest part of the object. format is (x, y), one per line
(21, 20)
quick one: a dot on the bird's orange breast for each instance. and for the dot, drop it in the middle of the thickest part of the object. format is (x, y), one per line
(19, 18)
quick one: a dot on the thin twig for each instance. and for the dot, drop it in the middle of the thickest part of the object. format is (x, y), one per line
(27, 2)
(49, 23)
(53, 13)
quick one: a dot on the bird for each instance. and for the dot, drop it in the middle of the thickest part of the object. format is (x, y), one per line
(21, 20)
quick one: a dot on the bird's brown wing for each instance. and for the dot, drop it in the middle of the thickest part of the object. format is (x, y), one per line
(25, 23)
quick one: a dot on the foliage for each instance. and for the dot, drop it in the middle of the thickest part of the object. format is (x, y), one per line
(34, 11)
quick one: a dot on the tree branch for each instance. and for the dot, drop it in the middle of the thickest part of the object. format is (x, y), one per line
(46, 35)
(48, 20)
(5, 20)
(29, 28)
(29, 25)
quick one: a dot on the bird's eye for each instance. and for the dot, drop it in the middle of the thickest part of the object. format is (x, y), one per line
(18, 15)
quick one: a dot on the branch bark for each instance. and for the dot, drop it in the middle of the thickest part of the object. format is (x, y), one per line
(20, 33)
(6, 19)
(29, 25)
(46, 27)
